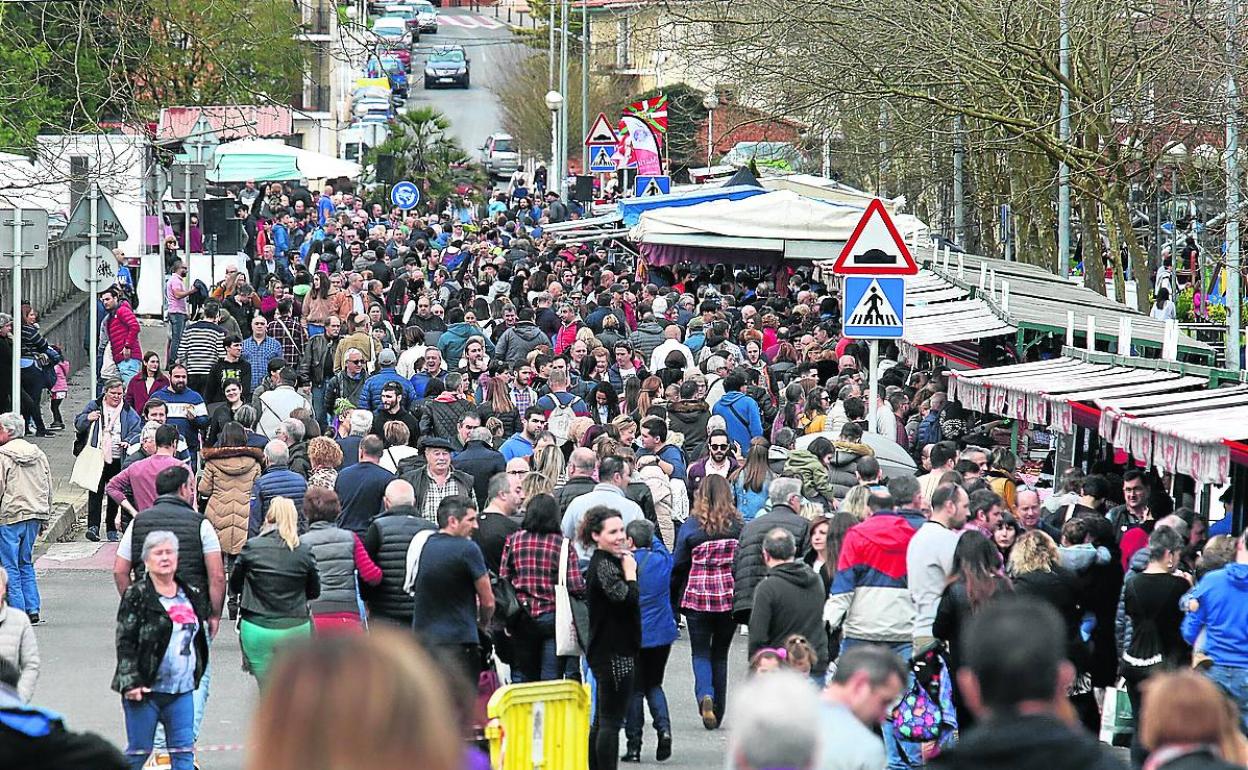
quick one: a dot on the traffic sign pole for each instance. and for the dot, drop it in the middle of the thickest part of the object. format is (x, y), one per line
(15, 381)
(93, 295)
(873, 382)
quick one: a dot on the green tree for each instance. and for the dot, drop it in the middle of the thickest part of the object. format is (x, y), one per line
(73, 64)
(425, 152)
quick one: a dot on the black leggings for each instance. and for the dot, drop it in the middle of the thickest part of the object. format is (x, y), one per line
(615, 690)
(33, 385)
(96, 500)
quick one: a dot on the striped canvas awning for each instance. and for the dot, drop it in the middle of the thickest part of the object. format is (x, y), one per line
(1168, 420)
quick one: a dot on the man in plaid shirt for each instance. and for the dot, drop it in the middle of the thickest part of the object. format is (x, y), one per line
(288, 331)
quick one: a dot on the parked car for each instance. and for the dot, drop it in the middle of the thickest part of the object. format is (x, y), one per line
(499, 155)
(427, 15)
(448, 65)
(392, 67)
(392, 36)
(405, 12)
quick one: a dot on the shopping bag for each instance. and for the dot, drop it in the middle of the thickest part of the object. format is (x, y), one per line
(566, 640)
(88, 468)
(1117, 721)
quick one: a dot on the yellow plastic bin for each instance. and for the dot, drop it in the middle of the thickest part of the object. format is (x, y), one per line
(539, 725)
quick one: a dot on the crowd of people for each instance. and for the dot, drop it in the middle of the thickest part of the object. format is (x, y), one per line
(551, 461)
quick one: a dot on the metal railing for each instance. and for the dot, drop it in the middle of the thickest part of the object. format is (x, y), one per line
(62, 307)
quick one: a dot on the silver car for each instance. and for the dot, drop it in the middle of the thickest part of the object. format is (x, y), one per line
(499, 155)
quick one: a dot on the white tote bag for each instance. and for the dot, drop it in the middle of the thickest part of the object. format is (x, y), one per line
(89, 464)
(566, 641)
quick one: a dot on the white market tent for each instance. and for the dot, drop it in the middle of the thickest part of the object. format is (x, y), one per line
(246, 159)
(781, 222)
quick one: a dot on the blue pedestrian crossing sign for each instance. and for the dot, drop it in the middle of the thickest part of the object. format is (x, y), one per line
(874, 307)
(653, 185)
(405, 195)
(601, 159)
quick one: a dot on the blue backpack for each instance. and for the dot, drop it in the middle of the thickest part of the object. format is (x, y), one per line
(929, 430)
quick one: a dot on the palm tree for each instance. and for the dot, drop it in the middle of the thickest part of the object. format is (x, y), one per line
(425, 151)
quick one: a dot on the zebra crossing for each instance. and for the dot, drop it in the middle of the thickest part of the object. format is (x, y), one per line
(470, 21)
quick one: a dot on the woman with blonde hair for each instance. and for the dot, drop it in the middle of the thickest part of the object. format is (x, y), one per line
(702, 577)
(1036, 569)
(355, 702)
(1187, 723)
(277, 577)
(549, 462)
(855, 501)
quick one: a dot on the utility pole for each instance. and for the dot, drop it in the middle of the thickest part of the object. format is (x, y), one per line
(93, 298)
(584, 84)
(959, 194)
(563, 114)
(550, 78)
(1232, 188)
(1063, 135)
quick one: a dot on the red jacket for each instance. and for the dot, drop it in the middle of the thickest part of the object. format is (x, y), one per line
(123, 331)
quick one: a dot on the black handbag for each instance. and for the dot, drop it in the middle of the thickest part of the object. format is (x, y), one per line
(507, 607)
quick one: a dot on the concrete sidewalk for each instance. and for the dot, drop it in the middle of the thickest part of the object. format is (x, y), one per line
(69, 502)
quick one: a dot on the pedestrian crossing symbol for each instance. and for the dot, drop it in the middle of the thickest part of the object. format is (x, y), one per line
(874, 307)
(653, 185)
(602, 161)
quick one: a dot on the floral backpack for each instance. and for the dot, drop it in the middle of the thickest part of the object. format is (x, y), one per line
(926, 712)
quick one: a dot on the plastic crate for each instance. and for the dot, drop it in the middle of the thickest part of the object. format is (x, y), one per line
(539, 725)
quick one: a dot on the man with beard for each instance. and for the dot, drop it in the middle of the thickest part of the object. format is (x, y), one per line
(719, 461)
(424, 318)
(392, 410)
(186, 409)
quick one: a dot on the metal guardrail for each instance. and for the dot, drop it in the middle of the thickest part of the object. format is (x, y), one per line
(61, 306)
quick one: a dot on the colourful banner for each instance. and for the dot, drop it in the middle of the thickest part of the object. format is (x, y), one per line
(639, 147)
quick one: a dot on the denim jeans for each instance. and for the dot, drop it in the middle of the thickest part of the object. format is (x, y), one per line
(534, 651)
(710, 637)
(318, 404)
(648, 689)
(1234, 682)
(177, 322)
(901, 754)
(200, 698)
(17, 546)
(175, 712)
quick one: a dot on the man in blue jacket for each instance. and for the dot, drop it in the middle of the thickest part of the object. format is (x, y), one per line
(370, 395)
(278, 480)
(1219, 606)
(742, 417)
(658, 632)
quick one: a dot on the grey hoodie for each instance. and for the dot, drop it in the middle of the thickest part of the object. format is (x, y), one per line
(518, 341)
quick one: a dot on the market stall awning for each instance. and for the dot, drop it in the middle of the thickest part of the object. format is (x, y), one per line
(1041, 300)
(1164, 419)
(631, 209)
(263, 159)
(784, 224)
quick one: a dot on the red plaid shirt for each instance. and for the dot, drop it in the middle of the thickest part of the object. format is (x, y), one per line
(531, 563)
(711, 583)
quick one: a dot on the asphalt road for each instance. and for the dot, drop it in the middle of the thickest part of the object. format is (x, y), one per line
(76, 644)
(474, 111)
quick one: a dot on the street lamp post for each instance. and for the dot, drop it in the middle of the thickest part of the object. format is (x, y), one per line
(711, 103)
(554, 102)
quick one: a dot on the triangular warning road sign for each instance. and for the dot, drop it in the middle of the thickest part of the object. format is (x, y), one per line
(875, 248)
(107, 226)
(601, 132)
(652, 188)
(873, 309)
